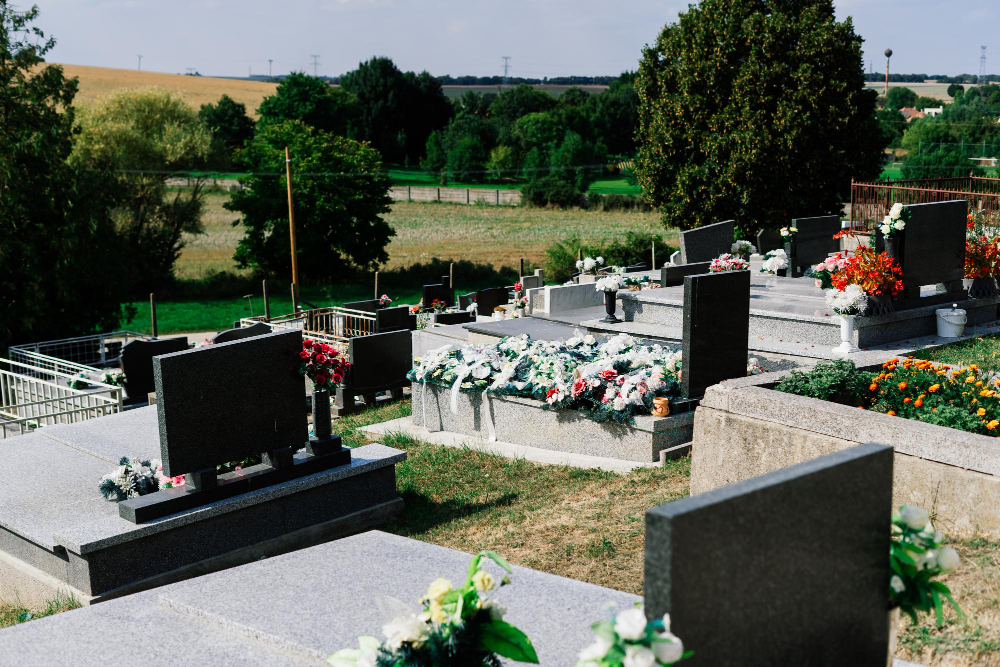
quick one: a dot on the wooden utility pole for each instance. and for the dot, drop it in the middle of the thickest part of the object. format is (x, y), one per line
(152, 311)
(521, 273)
(451, 276)
(291, 232)
(267, 304)
(653, 256)
(376, 285)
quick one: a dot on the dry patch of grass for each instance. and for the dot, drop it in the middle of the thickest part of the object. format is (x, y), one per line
(96, 82)
(12, 614)
(213, 250)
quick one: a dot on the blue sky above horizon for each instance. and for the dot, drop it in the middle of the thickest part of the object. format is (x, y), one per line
(543, 38)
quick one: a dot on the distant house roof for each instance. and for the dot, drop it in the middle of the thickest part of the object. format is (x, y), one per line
(909, 113)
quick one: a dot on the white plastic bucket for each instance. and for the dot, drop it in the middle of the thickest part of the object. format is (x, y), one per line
(951, 322)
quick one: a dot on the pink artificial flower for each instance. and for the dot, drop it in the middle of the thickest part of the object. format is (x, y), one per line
(608, 374)
(579, 387)
(620, 380)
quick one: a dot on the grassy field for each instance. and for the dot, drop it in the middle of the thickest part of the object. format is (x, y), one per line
(938, 90)
(96, 82)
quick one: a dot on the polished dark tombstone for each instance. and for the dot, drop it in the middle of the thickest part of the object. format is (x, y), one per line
(392, 319)
(488, 299)
(228, 402)
(768, 240)
(790, 568)
(715, 330)
(703, 244)
(814, 241)
(466, 300)
(368, 305)
(461, 317)
(239, 333)
(379, 363)
(671, 276)
(436, 292)
(137, 364)
(933, 249)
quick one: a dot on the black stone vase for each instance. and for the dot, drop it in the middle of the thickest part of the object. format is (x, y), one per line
(793, 269)
(981, 288)
(321, 413)
(894, 248)
(879, 304)
(610, 304)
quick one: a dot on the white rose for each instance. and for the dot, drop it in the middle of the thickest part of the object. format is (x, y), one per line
(885, 229)
(914, 517)
(929, 561)
(600, 260)
(897, 584)
(668, 651)
(638, 656)
(589, 340)
(784, 231)
(895, 211)
(899, 225)
(631, 623)
(619, 403)
(596, 651)
(579, 263)
(947, 559)
(404, 629)
(588, 264)
(481, 372)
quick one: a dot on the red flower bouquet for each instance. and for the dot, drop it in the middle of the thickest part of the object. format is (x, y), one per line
(322, 363)
(875, 273)
(982, 248)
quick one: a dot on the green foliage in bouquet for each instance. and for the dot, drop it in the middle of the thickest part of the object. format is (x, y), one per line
(916, 558)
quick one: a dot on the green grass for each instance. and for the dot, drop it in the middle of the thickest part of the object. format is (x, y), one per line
(982, 350)
(12, 614)
(614, 185)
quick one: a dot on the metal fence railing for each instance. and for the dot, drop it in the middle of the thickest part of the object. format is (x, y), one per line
(34, 396)
(101, 350)
(871, 201)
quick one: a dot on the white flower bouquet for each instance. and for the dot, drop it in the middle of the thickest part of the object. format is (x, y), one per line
(610, 283)
(132, 478)
(774, 261)
(916, 557)
(893, 224)
(789, 232)
(851, 300)
(630, 640)
(456, 626)
(743, 249)
(589, 264)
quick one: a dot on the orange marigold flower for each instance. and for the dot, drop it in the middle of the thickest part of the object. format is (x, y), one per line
(891, 412)
(980, 412)
(918, 402)
(979, 384)
(993, 424)
(969, 379)
(907, 399)
(933, 388)
(872, 387)
(901, 385)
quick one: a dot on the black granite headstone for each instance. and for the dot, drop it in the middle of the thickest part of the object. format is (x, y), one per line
(239, 333)
(768, 240)
(392, 319)
(671, 276)
(814, 241)
(703, 244)
(790, 568)
(225, 402)
(137, 364)
(465, 300)
(368, 305)
(461, 317)
(488, 299)
(380, 361)
(933, 247)
(438, 292)
(716, 326)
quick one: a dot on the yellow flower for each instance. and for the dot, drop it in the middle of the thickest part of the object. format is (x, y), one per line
(437, 613)
(933, 388)
(483, 581)
(993, 424)
(969, 379)
(981, 411)
(437, 590)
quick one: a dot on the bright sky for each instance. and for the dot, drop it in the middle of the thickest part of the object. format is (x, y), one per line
(542, 37)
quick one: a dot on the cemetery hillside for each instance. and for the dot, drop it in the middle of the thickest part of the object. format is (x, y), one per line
(670, 338)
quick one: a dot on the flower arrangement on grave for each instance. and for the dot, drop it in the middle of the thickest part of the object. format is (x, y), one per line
(472, 307)
(629, 639)
(81, 381)
(788, 233)
(743, 249)
(754, 366)
(132, 478)
(499, 309)
(852, 300)
(894, 223)
(916, 558)
(116, 378)
(823, 272)
(589, 264)
(635, 284)
(875, 272)
(384, 301)
(518, 288)
(322, 363)
(456, 626)
(774, 261)
(609, 283)
(414, 310)
(438, 306)
(519, 303)
(728, 262)
(614, 380)
(982, 247)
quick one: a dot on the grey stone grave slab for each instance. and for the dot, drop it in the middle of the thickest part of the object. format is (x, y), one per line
(814, 241)
(671, 276)
(137, 364)
(704, 244)
(715, 329)
(227, 402)
(768, 240)
(533, 281)
(675, 257)
(440, 292)
(367, 305)
(488, 299)
(393, 319)
(130, 433)
(239, 333)
(933, 247)
(536, 328)
(790, 568)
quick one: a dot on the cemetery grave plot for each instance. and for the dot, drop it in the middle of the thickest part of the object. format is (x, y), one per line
(221, 403)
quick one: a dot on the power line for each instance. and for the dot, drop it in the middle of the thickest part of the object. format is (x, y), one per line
(506, 68)
(315, 65)
(982, 62)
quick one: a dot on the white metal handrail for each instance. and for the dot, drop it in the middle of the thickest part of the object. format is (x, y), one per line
(91, 349)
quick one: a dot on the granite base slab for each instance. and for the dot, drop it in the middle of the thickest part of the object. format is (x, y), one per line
(524, 421)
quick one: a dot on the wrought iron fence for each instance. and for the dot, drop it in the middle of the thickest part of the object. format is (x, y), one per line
(871, 201)
(101, 350)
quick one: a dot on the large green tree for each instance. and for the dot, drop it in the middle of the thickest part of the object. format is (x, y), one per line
(754, 110)
(340, 196)
(312, 101)
(145, 136)
(59, 259)
(900, 97)
(230, 126)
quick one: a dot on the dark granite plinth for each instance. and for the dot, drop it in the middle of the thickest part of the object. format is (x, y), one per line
(137, 364)
(703, 244)
(715, 329)
(672, 276)
(814, 241)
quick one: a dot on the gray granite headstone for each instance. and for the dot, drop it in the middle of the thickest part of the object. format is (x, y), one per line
(814, 241)
(768, 240)
(379, 361)
(703, 244)
(392, 319)
(239, 333)
(675, 257)
(533, 281)
(440, 292)
(488, 299)
(674, 275)
(790, 568)
(226, 402)
(716, 326)
(933, 246)
(137, 364)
